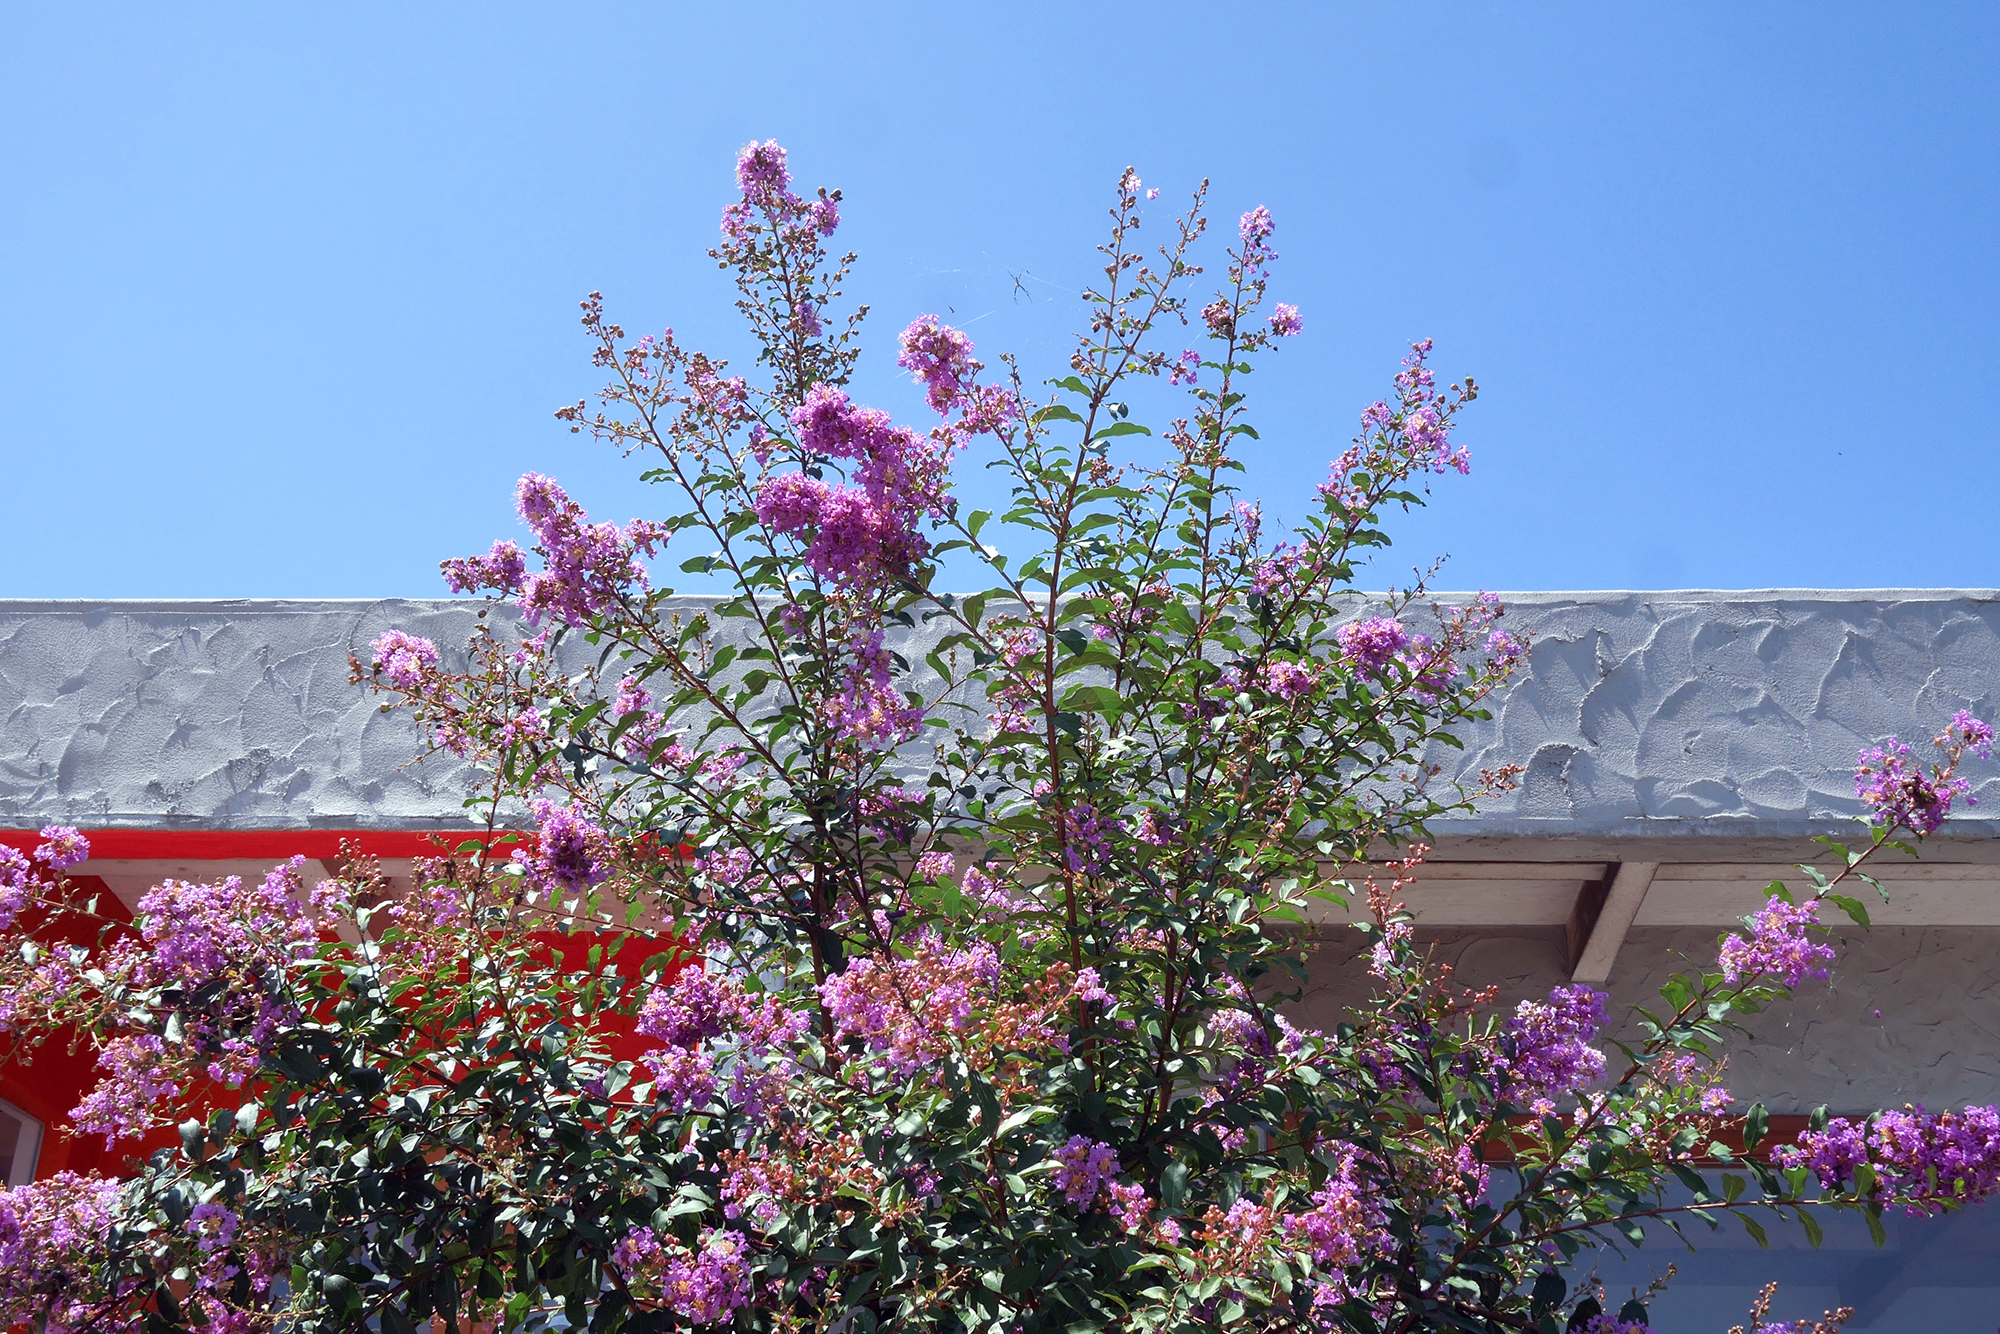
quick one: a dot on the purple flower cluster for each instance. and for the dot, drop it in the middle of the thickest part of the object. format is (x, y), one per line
(693, 1012)
(1898, 794)
(62, 847)
(588, 568)
(1778, 946)
(1087, 839)
(1285, 320)
(1970, 733)
(634, 701)
(121, 1106)
(1373, 643)
(908, 1010)
(869, 709)
(939, 358)
(504, 567)
(1289, 681)
(20, 879)
(862, 533)
(48, 1231)
(702, 1288)
(1345, 1222)
(1930, 1160)
(1611, 1324)
(229, 946)
(1548, 1051)
(1932, 1157)
(404, 659)
(1186, 367)
(1254, 230)
(1084, 1167)
(570, 850)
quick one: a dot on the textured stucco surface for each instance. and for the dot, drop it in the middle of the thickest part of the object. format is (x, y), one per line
(1641, 716)
(1655, 726)
(1911, 1014)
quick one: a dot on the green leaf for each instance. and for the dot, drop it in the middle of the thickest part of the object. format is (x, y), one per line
(1755, 1125)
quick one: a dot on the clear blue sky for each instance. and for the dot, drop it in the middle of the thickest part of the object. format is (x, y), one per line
(288, 292)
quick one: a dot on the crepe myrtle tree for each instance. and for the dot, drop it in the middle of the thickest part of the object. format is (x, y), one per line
(976, 914)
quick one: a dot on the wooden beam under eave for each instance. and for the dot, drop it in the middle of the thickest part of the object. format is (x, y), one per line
(1622, 894)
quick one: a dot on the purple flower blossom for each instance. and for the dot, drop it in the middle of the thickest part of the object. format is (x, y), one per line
(1371, 644)
(404, 659)
(1925, 1159)
(121, 1106)
(1930, 1158)
(1185, 368)
(212, 1226)
(939, 358)
(870, 709)
(49, 1231)
(1897, 793)
(1285, 320)
(570, 849)
(701, 1288)
(688, 1011)
(908, 1010)
(18, 883)
(1083, 1167)
(1087, 835)
(825, 216)
(1607, 1324)
(863, 533)
(1255, 228)
(502, 568)
(1973, 734)
(1287, 680)
(1832, 1154)
(1344, 1222)
(587, 568)
(761, 168)
(1778, 946)
(62, 847)
(1129, 1204)
(1548, 1044)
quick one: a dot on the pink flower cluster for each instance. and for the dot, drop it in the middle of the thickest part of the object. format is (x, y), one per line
(223, 948)
(48, 1231)
(1415, 434)
(588, 568)
(869, 709)
(1548, 1051)
(1344, 1224)
(864, 532)
(1899, 794)
(1087, 838)
(1930, 1160)
(1084, 1167)
(571, 852)
(20, 879)
(689, 1015)
(765, 179)
(940, 359)
(1372, 644)
(1778, 946)
(701, 1287)
(404, 660)
(908, 1011)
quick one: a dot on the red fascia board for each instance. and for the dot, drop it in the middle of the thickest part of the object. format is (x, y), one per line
(224, 844)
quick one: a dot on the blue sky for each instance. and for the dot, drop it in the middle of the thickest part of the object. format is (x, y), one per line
(288, 293)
